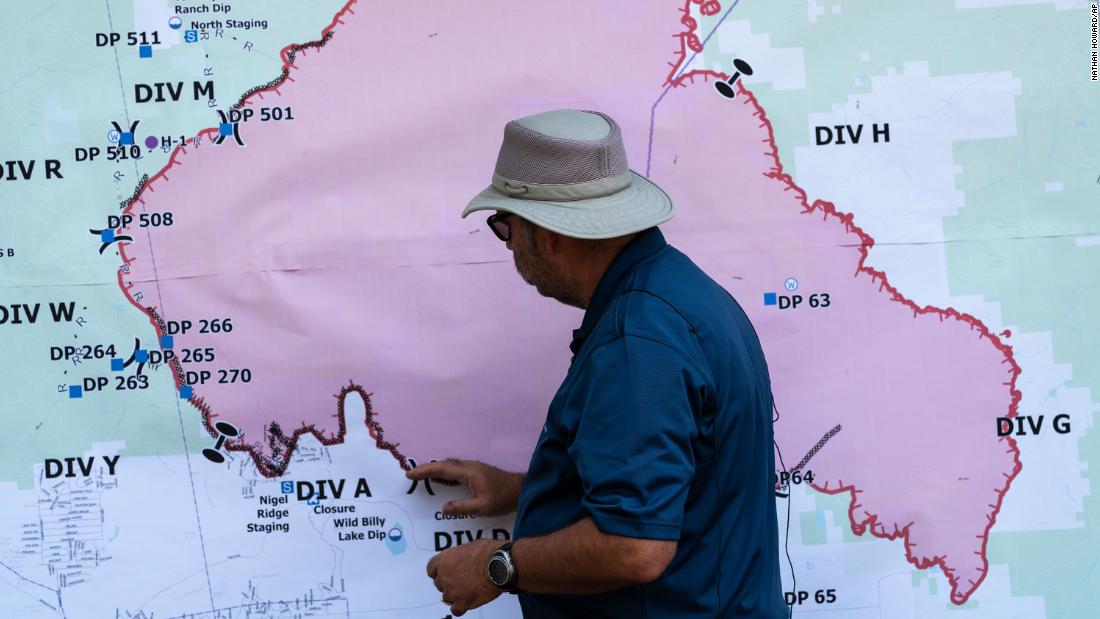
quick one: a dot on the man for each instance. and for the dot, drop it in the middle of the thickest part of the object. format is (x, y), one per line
(650, 492)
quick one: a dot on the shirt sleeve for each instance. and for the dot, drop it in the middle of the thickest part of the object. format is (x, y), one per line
(638, 404)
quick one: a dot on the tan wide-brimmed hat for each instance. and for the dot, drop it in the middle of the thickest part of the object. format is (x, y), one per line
(566, 171)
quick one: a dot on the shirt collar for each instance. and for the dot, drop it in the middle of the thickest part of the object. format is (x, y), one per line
(645, 245)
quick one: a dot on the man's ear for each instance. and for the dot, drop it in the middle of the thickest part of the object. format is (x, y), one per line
(548, 242)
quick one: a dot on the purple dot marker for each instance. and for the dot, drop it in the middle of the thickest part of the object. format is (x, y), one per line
(151, 142)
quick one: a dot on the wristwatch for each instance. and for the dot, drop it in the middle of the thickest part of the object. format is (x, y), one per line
(502, 570)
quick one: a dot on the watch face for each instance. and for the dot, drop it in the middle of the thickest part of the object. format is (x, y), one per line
(498, 571)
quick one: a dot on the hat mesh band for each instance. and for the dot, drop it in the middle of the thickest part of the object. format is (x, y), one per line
(533, 157)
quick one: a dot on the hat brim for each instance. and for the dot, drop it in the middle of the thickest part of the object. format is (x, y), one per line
(641, 205)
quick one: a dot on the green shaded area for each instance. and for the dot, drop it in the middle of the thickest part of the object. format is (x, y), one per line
(1046, 49)
(1060, 565)
(59, 92)
(837, 504)
(921, 578)
(812, 525)
(1018, 249)
(1013, 243)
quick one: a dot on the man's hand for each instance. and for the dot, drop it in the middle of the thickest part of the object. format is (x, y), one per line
(461, 574)
(496, 492)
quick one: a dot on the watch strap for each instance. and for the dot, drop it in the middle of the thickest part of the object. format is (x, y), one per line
(504, 553)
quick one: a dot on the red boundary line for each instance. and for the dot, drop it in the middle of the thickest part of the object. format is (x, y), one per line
(689, 40)
(267, 467)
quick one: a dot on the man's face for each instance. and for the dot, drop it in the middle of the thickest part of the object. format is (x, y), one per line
(532, 265)
(525, 251)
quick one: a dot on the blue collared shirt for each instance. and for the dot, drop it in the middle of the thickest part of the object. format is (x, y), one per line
(662, 429)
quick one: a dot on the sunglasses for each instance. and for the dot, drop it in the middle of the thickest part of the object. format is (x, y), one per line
(498, 223)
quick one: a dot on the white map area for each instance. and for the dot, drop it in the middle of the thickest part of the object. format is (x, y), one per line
(144, 532)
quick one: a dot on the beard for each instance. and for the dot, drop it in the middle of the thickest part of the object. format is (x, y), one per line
(533, 267)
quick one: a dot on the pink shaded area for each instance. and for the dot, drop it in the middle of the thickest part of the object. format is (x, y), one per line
(332, 243)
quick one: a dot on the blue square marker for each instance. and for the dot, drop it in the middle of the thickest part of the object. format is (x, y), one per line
(75, 391)
(166, 341)
(126, 138)
(287, 487)
(141, 355)
(190, 36)
(117, 365)
(107, 236)
(770, 298)
(145, 51)
(185, 392)
(225, 129)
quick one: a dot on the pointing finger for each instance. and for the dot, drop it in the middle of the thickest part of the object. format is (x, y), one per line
(451, 470)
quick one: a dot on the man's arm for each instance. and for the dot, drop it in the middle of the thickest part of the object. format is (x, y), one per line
(581, 559)
(633, 450)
